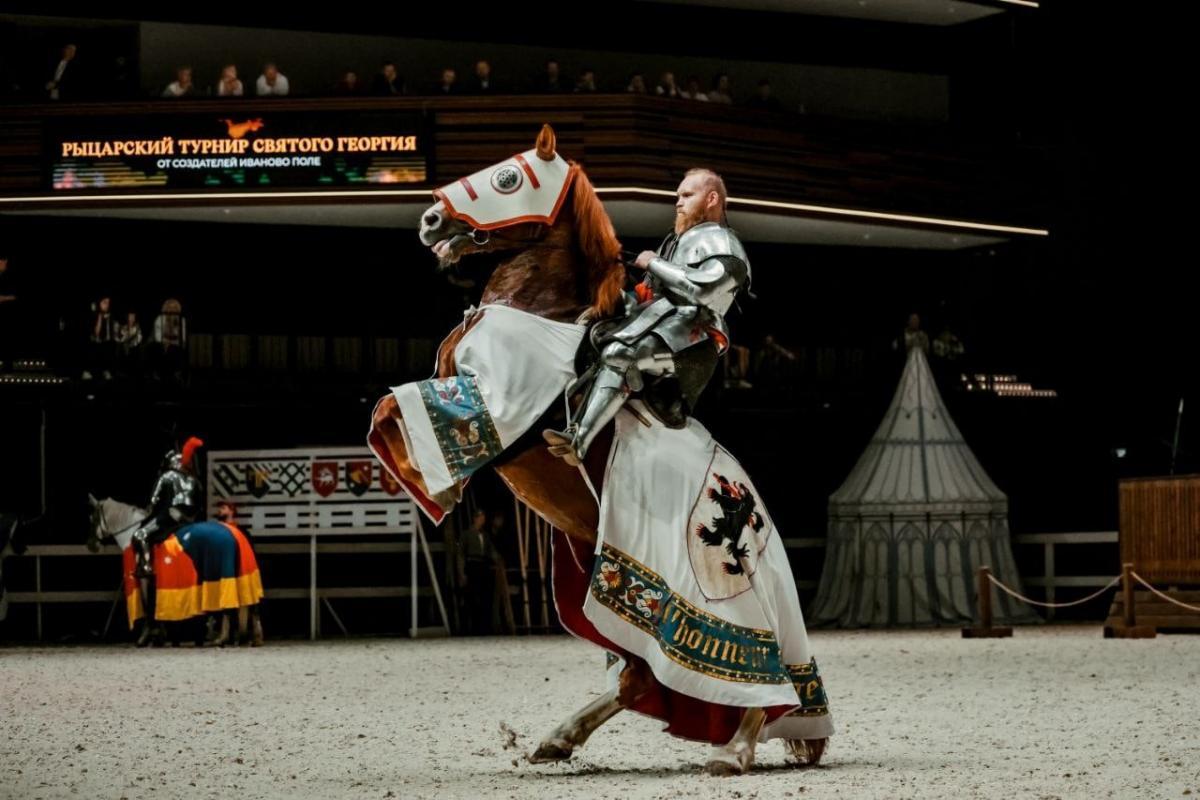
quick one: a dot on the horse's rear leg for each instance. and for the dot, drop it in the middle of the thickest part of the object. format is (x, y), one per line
(736, 756)
(256, 629)
(635, 681)
(561, 743)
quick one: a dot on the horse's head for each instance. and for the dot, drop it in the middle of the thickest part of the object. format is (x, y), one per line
(515, 204)
(112, 520)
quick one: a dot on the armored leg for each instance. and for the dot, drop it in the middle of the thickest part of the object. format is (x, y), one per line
(143, 548)
(620, 373)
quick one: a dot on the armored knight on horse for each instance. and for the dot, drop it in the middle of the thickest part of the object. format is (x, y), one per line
(674, 326)
(664, 552)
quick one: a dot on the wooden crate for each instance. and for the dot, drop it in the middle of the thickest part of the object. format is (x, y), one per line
(1160, 528)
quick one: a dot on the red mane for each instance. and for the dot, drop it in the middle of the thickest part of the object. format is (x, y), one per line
(598, 241)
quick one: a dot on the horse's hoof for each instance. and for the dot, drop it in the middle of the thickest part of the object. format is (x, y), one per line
(730, 760)
(724, 766)
(807, 751)
(550, 751)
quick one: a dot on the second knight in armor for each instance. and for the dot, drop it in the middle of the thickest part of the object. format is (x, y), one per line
(175, 502)
(675, 327)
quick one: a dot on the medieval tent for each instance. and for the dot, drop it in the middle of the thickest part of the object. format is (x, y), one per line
(912, 523)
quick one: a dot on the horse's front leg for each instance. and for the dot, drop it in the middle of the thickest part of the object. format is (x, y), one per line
(221, 637)
(150, 627)
(635, 681)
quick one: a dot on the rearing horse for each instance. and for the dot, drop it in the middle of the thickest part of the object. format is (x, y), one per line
(558, 260)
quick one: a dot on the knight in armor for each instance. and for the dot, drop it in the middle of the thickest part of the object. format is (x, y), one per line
(175, 502)
(674, 332)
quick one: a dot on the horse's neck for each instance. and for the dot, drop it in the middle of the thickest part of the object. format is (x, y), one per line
(550, 283)
(118, 515)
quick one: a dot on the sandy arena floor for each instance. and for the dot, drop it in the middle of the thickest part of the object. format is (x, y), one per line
(1054, 713)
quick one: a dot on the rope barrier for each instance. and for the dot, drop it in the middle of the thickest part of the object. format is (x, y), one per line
(1162, 596)
(1023, 598)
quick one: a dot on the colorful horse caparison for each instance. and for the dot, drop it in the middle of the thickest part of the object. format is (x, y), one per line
(558, 260)
(203, 568)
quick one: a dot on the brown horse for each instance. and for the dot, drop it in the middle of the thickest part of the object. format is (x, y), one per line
(567, 271)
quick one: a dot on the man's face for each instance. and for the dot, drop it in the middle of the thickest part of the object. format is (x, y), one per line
(185, 76)
(914, 322)
(478, 520)
(483, 69)
(692, 204)
(448, 76)
(3, 265)
(389, 72)
(271, 72)
(105, 304)
(552, 69)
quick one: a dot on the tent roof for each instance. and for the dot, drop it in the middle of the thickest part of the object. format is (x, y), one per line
(917, 462)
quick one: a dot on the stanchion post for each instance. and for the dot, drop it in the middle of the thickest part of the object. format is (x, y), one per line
(1130, 629)
(985, 629)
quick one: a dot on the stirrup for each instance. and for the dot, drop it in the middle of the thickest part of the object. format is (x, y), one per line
(562, 444)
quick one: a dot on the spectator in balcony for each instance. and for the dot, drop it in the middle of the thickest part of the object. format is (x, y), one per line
(449, 83)
(551, 82)
(720, 93)
(228, 85)
(481, 82)
(64, 83)
(348, 85)
(272, 82)
(667, 87)
(102, 340)
(587, 81)
(637, 84)
(182, 86)
(170, 340)
(693, 92)
(387, 83)
(764, 99)
(129, 344)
